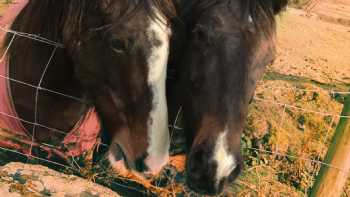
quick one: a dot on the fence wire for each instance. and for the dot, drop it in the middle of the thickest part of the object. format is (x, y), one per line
(75, 167)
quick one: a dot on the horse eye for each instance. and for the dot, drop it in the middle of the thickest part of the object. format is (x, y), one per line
(118, 46)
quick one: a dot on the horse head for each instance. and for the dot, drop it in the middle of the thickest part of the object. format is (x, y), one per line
(120, 51)
(229, 45)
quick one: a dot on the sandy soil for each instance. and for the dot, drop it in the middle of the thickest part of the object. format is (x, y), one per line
(314, 48)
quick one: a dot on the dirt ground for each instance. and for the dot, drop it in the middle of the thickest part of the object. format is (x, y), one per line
(313, 47)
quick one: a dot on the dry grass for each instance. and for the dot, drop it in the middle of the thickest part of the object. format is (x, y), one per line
(297, 137)
(299, 3)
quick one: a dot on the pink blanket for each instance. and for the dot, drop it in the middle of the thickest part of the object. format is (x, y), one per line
(81, 139)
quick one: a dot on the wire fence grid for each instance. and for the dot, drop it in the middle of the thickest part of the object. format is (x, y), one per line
(74, 166)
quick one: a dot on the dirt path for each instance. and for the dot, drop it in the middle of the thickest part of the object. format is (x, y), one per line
(336, 11)
(315, 47)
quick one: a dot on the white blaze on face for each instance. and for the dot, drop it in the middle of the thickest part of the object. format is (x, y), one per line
(226, 162)
(158, 132)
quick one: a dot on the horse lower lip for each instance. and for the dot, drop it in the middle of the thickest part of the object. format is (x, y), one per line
(191, 184)
(199, 191)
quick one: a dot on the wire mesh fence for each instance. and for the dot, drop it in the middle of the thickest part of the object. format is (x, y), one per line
(298, 127)
(302, 133)
(38, 87)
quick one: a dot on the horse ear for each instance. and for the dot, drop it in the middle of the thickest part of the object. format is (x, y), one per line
(279, 5)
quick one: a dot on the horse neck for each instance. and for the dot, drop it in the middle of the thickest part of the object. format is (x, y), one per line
(27, 60)
(41, 18)
(45, 19)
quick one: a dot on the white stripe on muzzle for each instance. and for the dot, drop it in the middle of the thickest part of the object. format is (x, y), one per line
(226, 162)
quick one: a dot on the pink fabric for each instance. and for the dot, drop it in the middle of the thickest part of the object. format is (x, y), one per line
(81, 139)
(84, 135)
(11, 12)
(6, 106)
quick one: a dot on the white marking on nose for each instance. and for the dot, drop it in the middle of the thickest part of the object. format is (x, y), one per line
(226, 162)
(158, 132)
(250, 19)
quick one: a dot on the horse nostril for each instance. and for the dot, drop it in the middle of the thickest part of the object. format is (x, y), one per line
(140, 165)
(194, 167)
(235, 173)
(221, 185)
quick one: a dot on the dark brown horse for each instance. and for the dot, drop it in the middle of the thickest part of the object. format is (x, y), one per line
(113, 60)
(229, 44)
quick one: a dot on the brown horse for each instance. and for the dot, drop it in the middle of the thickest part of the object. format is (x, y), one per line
(229, 44)
(113, 65)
